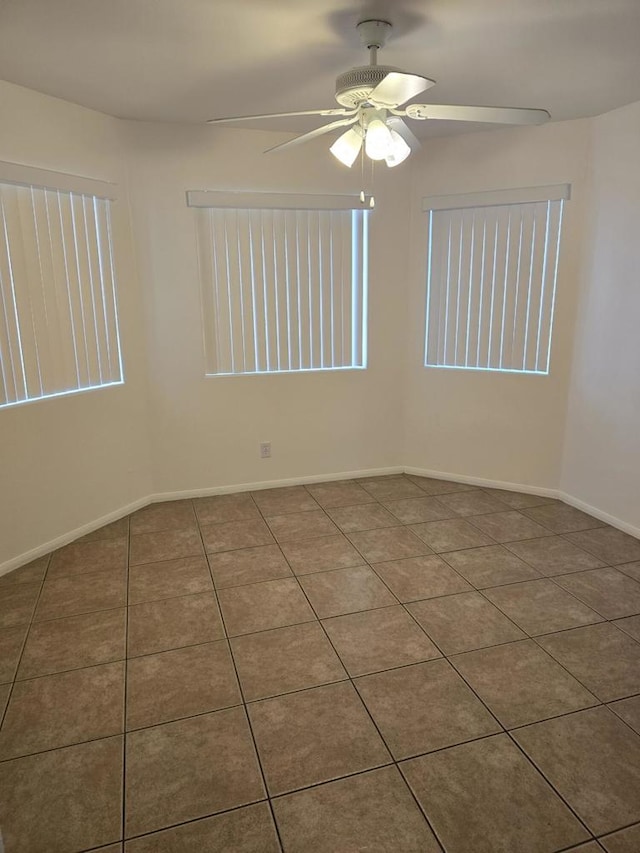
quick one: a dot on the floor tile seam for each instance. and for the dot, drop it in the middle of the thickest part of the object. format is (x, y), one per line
(69, 745)
(540, 646)
(541, 633)
(24, 645)
(245, 709)
(193, 820)
(111, 572)
(287, 577)
(123, 804)
(584, 548)
(620, 829)
(170, 597)
(67, 671)
(550, 783)
(554, 579)
(165, 563)
(75, 615)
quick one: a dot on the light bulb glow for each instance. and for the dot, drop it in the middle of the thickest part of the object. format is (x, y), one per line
(347, 146)
(399, 150)
(378, 141)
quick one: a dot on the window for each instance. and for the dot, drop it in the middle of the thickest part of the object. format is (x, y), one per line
(58, 320)
(491, 279)
(283, 282)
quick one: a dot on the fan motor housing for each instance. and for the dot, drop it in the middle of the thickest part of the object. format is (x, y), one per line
(354, 87)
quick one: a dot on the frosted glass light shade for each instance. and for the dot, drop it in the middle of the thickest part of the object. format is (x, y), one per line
(347, 146)
(378, 142)
(399, 150)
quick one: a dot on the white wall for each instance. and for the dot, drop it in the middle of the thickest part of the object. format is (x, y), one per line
(206, 431)
(498, 426)
(602, 448)
(67, 461)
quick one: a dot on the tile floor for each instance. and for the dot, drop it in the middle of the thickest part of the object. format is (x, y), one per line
(391, 664)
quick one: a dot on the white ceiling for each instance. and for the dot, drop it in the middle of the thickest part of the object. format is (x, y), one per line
(189, 60)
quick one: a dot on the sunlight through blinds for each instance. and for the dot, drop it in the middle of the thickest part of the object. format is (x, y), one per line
(283, 289)
(491, 283)
(58, 321)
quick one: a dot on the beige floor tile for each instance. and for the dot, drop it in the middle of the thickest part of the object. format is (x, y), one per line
(592, 759)
(459, 623)
(180, 683)
(521, 684)
(424, 707)
(165, 545)
(629, 711)
(188, 769)
(486, 797)
(235, 534)
(491, 565)
(246, 830)
(554, 555)
(113, 530)
(314, 736)
(17, 602)
(11, 641)
(518, 500)
(339, 493)
(391, 488)
(66, 799)
(630, 625)
(608, 544)
(301, 525)
(172, 623)
(540, 607)
(74, 642)
(284, 660)
(388, 543)
(217, 509)
(290, 499)
(608, 591)
(433, 486)
(602, 657)
(345, 591)
(375, 640)
(59, 710)
(364, 517)
(158, 517)
(33, 572)
(153, 581)
(471, 502)
(321, 819)
(623, 841)
(509, 526)
(322, 554)
(71, 596)
(420, 577)
(261, 606)
(451, 535)
(562, 518)
(248, 565)
(108, 555)
(417, 510)
(631, 569)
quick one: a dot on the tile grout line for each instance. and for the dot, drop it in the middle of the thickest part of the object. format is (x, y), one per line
(243, 700)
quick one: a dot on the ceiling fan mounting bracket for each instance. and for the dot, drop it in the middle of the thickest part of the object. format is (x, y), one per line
(374, 33)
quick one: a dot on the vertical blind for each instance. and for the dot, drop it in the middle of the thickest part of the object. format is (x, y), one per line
(283, 289)
(58, 321)
(491, 283)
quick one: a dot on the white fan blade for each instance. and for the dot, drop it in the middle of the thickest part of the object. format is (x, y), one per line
(396, 123)
(331, 112)
(326, 128)
(397, 87)
(492, 115)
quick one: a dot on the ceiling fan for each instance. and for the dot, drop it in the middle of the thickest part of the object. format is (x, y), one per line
(371, 98)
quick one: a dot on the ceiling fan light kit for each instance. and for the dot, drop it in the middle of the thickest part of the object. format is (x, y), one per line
(371, 98)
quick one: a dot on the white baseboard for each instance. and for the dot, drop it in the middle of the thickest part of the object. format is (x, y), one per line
(275, 484)
(482, 481)
(66, 538)
(600, 514)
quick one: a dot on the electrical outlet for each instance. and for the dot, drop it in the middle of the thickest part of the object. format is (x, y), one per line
(265, 450)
